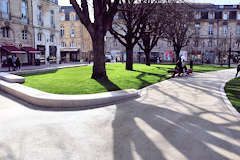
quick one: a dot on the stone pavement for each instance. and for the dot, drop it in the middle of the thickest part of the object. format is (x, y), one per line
(178, 119)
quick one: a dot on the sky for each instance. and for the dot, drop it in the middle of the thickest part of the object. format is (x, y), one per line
(217, 2)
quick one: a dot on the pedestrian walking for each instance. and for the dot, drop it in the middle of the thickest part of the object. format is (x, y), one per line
(14, 63)
(9, 63)
(191, 63)
(48, 60)
(18, 64)
(238, 67)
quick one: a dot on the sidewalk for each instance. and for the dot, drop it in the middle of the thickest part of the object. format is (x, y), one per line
(178, 119)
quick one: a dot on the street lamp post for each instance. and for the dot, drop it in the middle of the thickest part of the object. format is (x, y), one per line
(229, 51)
(203, 45)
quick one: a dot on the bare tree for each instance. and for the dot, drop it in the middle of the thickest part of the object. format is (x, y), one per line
(180, 22)
(104, 11)
(154, 30)
(128, 28)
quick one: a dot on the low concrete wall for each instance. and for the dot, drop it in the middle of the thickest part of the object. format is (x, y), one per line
(44, 99)
(11, 78)
(44, 70)
(26, 72)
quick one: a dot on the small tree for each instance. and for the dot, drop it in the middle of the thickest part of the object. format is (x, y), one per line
(180, 19)
(104, 11)
(129, 27)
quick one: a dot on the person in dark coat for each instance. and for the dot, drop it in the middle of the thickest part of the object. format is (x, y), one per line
(10, 63)
(18, 63)
(178, 69)
(238, 67)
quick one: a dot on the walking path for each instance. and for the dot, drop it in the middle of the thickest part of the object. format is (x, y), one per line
(178, 119)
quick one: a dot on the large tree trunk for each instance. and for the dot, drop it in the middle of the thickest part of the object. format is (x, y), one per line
(129, 61)
(99, 71)
(177, 53)
(147, 54)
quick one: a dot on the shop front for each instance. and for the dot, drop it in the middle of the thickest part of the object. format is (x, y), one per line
(53, 54)
(70, 55)
(33, 55)
(169, 55)
(10, 51)
(197, 56)
(42, 54)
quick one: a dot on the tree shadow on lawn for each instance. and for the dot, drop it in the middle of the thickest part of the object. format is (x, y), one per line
(146, 83)
(108, 84)
(164, 68)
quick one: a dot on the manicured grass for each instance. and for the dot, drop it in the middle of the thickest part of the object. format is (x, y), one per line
(232, 90)
(78, 80)
(207, 68)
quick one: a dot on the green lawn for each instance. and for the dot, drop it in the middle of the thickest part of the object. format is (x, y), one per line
(232, 90)
(78, 80)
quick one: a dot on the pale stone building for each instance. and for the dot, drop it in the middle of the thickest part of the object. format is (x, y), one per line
(76, 43)
(46, 29)
(16, 30)
(212, 28)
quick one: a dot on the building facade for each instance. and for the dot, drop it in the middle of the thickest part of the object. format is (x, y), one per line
(215, 26)
(76, 44)
(46, 30)
(216, 29)
(16, 30)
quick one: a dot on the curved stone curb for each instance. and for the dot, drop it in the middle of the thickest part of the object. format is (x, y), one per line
(44, 70)
(226, 100)
(11, 78)
(44, 99)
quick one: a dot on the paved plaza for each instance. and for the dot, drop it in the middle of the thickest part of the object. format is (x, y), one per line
(177, 119)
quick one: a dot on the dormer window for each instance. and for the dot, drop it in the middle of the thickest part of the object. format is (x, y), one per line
(211, 15)
(197, 15)
(225, 16)
(72, 18)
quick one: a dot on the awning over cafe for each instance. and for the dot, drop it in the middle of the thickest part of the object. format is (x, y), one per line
(13, 50)
(30, 50)
(69, 49)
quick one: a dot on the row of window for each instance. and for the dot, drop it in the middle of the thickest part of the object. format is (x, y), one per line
(211, 29)
(39, 37)
(4, 9)
(232, 15)
(39, 17)
(72, 44)
(210, 44)
(69, 17)
(54, 1)
(6, 33)
(72, 32)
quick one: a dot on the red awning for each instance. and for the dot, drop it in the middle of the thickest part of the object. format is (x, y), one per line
(13, 50)
(30, 50)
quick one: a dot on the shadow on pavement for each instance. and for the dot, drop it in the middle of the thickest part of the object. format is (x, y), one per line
(153, 132)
